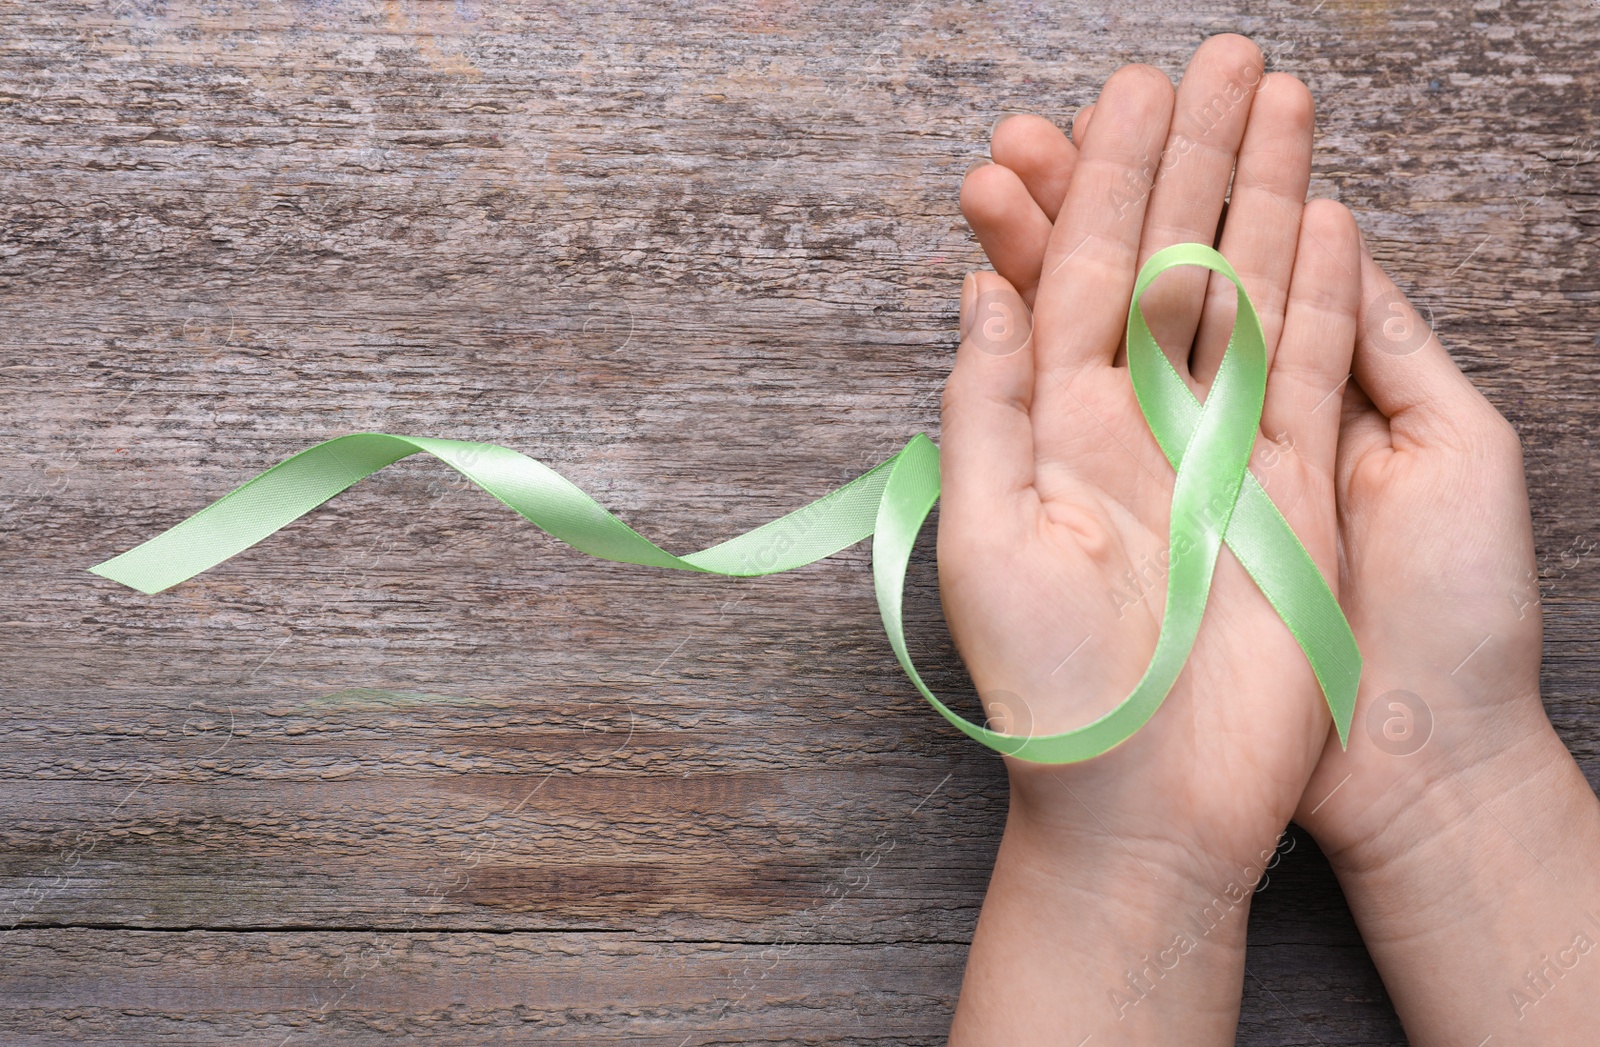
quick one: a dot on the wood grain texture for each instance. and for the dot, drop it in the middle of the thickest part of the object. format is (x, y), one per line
(410, 769)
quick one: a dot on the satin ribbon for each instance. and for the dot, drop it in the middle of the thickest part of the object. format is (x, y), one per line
(1214, 499)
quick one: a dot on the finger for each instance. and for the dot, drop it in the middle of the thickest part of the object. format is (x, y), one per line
(1080, 123)
(1262, 232)
(1040, 155)
(1009, 224)
(1305, 386)
(1362, 430)
(986, 452)
(1208, 125)
(1401, 364)
(1091, 260)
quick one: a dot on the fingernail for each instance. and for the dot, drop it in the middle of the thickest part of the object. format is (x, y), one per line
(1002, 118)
(969, 302)
(982, 161)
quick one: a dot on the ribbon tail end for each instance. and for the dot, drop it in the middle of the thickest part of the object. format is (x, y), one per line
(108, 571)
(1343, 708)
(1342, 725)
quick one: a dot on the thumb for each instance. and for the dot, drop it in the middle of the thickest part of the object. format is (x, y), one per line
(1402, 366)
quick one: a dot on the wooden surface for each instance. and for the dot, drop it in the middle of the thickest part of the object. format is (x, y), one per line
(409, 769)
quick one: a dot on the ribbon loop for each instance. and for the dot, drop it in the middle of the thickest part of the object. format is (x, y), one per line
(1215, 500)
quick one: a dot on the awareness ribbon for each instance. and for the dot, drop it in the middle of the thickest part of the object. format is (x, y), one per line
(1215, 499)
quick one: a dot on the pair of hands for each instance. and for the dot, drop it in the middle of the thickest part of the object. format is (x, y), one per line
(1402, 482)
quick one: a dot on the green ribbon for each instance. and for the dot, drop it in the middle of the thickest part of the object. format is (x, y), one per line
(1214, 499)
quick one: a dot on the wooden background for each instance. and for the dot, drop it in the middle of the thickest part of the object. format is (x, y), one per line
(410, 771)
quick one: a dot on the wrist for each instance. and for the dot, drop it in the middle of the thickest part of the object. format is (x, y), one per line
(1459, 824)
(1480, 892)
(1083, 939)
(1067, 817)
(1165, 884)
(1148, 931)
(1154, 890)
(1394, 813)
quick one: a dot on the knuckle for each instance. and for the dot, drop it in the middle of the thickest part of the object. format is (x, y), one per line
(952, 399)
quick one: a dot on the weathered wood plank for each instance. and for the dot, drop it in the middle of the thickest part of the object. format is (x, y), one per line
(467, 988)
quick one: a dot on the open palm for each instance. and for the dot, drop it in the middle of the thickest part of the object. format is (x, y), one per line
(1053, 533)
